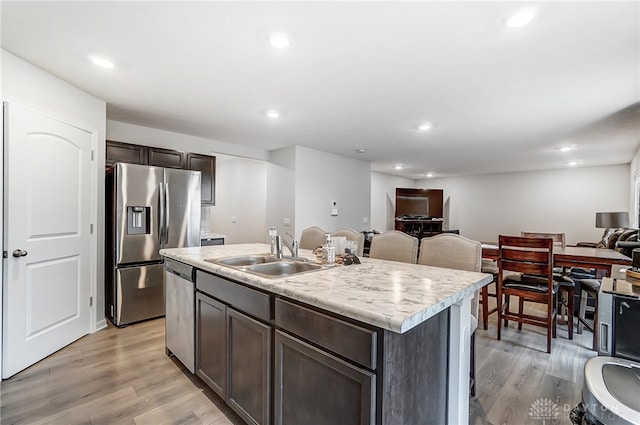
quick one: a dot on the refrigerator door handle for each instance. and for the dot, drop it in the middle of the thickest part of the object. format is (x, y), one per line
(161, 212)
(166, 213)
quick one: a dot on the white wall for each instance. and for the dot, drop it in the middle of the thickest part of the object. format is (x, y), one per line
(28, 85)
(485, 206)
(241, 195)
(383, 199)
(303, 183)
(281, 191)
(322, 178)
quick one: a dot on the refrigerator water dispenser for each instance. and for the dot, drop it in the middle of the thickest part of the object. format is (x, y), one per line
(138, 220)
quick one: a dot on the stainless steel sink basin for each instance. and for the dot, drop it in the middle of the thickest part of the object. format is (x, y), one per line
(245, 260)
(282, 268)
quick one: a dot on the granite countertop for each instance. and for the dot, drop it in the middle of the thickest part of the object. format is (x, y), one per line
(387, 294)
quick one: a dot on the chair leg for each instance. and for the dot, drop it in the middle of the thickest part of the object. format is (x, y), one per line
(561, 303)
(551, 319)
(485, 307)
(582, 311)
(554, 318)
(596, 325)
(499, 301)
(506, 309)
(472, 366)
(520, 310)
(570, 295)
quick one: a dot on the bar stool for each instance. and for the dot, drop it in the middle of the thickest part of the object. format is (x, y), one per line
(489, 267)
(589, 288)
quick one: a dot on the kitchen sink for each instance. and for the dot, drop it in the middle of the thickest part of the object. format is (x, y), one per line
(245, 260)
(266, 265)
(282, 268)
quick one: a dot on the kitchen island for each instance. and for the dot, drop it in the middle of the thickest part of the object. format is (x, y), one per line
(380, 342)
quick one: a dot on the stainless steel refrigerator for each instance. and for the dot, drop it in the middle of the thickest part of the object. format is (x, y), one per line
(148, 208)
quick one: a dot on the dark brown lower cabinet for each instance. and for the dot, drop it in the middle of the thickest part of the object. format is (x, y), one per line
(233, 357)
(211, 343)
(249, 380)
(315, 387)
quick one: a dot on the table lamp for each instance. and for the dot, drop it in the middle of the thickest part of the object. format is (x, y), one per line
(611, 220)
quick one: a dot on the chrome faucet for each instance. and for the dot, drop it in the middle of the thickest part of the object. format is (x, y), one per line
(292, 247)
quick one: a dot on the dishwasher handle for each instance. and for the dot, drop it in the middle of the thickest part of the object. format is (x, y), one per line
(185, 271)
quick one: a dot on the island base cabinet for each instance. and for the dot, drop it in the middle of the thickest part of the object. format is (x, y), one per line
(249, 378)
(211, 343)
(234, 358)
(315, 387)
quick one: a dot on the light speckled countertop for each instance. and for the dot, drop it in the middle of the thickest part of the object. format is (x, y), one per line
(387, 294)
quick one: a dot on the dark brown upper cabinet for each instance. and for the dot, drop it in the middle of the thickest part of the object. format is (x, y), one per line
(207, 166)
(126, 152)
(159, 157)
(167, 158)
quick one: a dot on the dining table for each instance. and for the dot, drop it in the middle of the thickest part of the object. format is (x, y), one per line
(574, 256)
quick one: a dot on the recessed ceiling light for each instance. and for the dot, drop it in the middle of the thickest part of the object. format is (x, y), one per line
(361, 150)
(398, 167)
(572, 163)
(425, 126)
(101, 62)
(272, 113)
(279, 41)
(520, 19)
(567, 148)
(429, 175)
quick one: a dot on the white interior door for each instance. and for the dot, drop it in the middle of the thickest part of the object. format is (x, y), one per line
(46, 282)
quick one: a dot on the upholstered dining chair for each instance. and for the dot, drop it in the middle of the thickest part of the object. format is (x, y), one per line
(395, 246)
(532, 257)
(352, 235)
(566, 284)
(312, 237)
(454, 251)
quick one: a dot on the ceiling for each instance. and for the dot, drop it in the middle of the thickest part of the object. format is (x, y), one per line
(359, 75)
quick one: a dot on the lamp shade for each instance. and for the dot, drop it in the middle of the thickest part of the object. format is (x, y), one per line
(605, 220)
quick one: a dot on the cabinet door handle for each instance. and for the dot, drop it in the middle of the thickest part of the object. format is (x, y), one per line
(17, 253)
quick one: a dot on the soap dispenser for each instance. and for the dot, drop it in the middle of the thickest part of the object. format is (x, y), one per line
(328, 252)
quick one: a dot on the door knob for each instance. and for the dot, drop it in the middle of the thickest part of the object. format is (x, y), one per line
(19, 253)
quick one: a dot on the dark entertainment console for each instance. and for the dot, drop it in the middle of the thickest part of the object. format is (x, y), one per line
(419, 212)
(420, 228)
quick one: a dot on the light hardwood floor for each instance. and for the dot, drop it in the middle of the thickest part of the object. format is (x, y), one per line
(122, 376)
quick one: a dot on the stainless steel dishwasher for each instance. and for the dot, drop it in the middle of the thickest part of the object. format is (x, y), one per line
(179, 315)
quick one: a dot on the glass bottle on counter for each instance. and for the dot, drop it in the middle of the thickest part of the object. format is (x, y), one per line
(328, 252)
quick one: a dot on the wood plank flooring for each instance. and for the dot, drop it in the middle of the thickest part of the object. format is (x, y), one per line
(114, 376)
(122, 376)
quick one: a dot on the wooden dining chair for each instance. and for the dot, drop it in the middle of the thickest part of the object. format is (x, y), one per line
(395, 246)
(456, 252)
(561, 275)
(488, 291)
(312, 237)
(532, 257)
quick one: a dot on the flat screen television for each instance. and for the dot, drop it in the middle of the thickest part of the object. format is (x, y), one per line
(419, 203)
